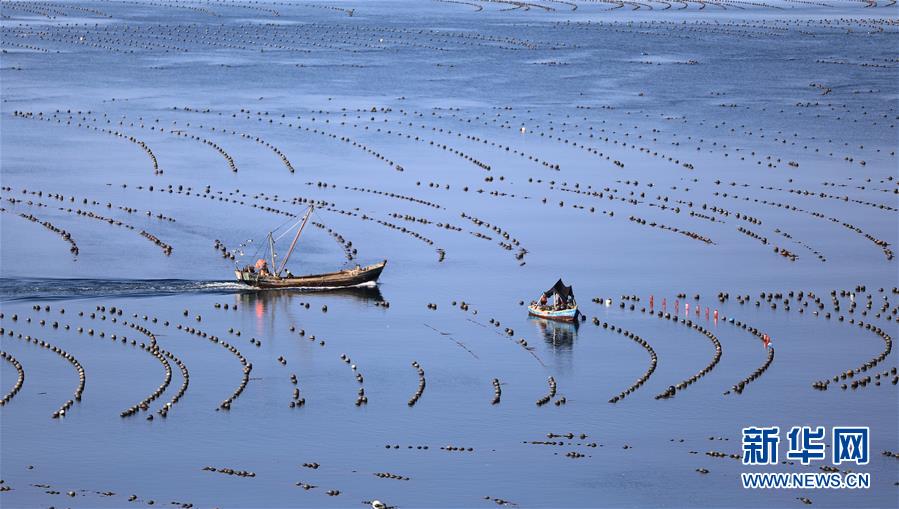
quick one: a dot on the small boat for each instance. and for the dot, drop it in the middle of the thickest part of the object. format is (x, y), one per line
(261, 276)
(563, 307)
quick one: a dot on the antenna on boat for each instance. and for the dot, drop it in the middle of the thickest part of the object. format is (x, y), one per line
(294, 243)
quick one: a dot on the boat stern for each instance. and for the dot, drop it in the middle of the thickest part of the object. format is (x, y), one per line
(244, 276)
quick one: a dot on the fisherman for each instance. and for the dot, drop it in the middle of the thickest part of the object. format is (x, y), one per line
(543, 300)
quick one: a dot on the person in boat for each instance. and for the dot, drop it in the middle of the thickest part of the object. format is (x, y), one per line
(563, 296)
(262, 267)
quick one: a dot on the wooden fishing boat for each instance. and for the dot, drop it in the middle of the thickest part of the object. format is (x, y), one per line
(260, 276)
(563, 307)
(561, 315)
(340, 279)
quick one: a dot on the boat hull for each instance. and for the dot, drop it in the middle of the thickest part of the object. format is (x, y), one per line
(340, 279)
(564, 315)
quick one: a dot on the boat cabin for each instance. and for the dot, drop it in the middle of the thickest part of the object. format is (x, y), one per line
(561, 297)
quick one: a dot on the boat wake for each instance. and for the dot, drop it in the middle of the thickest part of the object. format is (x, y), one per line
(57, 289)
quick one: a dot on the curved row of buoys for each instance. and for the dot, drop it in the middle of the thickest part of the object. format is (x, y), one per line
(389, 194)
(653, 358)
(79, 388)
(870, 364)
(349, 251)
(153, 349)
(362, 398)
(672, 390)
(166, 248)
(477, 139)
(20, 378)
(511, 242)
(85, 201)
(687, 233)
(230, 471)
(388, 475)
(225, 252)
(140, 143)
(421, 384)
(297, 400)
(551, 394)
(65, 235)
(803, 300)
(738, 387)
(247, 366)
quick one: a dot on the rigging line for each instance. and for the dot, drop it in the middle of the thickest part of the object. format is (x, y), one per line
(288, 230)
(258, 250)
(256, 254)
(289, 219)
(262, 246)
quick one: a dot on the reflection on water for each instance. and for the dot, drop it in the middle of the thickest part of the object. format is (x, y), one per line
(559, 336)
(269, 300)
(267, 305)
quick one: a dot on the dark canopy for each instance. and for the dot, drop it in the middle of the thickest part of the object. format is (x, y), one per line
(564, 292)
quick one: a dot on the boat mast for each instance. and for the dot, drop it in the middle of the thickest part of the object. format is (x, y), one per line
(294, 243)
(271, 245)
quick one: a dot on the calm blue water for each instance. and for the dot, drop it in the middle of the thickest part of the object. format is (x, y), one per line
(735, 91)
